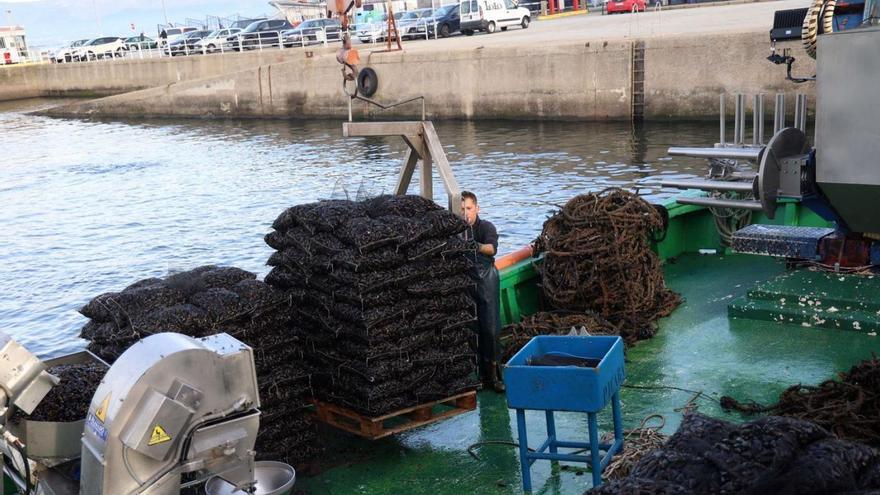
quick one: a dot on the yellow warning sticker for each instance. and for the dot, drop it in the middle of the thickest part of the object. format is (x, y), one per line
(158, 436)
(101, 413)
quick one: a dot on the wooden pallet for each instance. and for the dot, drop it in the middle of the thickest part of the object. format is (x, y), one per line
(397, 421)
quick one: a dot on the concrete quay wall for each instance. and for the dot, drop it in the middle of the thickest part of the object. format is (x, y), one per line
(104, 77)
(590, 80)
(568, 82)
(684, 76)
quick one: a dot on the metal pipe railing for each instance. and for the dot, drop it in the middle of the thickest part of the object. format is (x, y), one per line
(721, 203)
(758, 123)
(779, 113)
(800, 112)
(709, 185)
(759, 120)
(732, 153)
(739, 120)
(370, 33)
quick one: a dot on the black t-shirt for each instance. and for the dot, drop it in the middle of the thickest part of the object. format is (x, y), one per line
(484, 232)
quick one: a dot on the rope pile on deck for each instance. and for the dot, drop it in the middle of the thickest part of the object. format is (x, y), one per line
(383, 299)
(209, 300)
(516, 335)
(636, 444)
(848, 407)
(770, 455)
(598, 262)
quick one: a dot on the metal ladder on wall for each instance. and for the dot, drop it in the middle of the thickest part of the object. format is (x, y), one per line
(637, 90)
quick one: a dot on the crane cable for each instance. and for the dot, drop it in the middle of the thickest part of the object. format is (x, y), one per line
(820, 10)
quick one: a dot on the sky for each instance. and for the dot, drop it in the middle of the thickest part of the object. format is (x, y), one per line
(50, 23)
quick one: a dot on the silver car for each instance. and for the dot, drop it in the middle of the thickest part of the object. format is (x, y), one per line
(378, 31)
(216, 40)
(408, 25)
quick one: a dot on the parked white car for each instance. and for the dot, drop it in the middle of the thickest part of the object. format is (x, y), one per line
(109, 46)
(65, 53)
(217, 39)
(492, 15)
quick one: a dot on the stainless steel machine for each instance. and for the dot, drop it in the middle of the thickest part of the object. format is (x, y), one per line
(171, 412)
(839, 178)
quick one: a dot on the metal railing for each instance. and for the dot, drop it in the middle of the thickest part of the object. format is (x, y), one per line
(758, 119)
(372, 33)
(375, 32)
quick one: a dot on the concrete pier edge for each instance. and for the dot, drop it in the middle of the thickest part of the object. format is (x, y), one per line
(578, 80)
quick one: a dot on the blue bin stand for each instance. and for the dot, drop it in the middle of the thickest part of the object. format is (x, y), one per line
(567, 388)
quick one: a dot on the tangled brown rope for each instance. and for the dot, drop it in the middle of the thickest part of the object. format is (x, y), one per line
(561, 322)
(636, 443)
(598, 257)
(849, 408)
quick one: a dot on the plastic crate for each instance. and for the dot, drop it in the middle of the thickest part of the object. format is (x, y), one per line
(565, 388)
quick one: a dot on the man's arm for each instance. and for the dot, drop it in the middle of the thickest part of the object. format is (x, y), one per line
(490, 236)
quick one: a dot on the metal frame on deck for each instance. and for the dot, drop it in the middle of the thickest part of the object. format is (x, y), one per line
(424, 145)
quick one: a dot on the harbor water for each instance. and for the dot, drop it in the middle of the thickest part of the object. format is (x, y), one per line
(89, 206)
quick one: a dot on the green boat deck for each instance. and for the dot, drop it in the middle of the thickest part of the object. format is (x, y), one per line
(814, 299)
(698, 348)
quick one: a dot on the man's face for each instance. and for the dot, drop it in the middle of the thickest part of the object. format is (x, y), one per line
(470, 210)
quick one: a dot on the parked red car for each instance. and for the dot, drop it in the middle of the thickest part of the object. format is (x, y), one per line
(613, 6)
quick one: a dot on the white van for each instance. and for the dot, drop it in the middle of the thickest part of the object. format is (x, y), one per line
(491, 15)
(176, 32)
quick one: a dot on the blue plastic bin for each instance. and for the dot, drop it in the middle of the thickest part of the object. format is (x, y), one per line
(567, 388)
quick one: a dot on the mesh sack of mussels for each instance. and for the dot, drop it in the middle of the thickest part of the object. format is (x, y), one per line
(384, 299)
(771, 455)
(209, 300)
(69, 400)
(598, 261)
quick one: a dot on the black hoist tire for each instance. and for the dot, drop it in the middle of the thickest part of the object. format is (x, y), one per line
(368, 82)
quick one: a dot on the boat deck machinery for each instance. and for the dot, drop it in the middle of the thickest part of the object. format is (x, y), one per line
(838, 177)
(171, 412)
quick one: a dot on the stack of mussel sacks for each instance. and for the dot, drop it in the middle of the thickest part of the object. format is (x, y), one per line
(210, 300)
(386, 308)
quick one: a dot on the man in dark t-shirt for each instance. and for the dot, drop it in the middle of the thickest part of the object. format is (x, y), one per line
(487, 296)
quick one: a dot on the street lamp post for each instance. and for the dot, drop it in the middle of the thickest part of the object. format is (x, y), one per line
(97, 17)
(164, 12)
